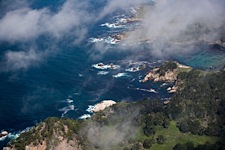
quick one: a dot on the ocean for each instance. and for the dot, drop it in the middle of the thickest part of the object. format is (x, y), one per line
(69, 80)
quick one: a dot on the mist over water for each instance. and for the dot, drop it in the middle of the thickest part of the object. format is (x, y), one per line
(46, 60)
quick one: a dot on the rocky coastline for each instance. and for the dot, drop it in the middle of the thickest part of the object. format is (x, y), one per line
(168, 72)
(63, 133)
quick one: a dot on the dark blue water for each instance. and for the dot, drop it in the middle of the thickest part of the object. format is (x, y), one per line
(31, 95)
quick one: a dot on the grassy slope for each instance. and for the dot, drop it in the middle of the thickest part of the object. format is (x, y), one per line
(173, 136)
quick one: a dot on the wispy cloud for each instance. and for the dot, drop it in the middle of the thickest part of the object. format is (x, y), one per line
(21, 60)
(25, 23)
(114, 5)
(173, 26)
(21, 23)
(107, 136)
(169, 25)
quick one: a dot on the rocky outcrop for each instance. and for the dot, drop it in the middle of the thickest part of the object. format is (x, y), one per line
(172, 89)
(166, 73)
(134, 20)
(169, 76)
(104, 104)
(119, 36)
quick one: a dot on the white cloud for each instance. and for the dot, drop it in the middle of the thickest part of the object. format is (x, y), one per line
(173, 26)
(22, 60)
(25, 23)
(114, 5)
(165, 23)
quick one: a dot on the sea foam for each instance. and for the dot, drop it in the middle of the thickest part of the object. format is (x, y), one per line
(103, 66)
(14, 135)
(66, 109)
(102, 73)
(85, 116)
(121, 75)
(113, 25)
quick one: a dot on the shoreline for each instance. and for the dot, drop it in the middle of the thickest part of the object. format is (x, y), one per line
(102, 105)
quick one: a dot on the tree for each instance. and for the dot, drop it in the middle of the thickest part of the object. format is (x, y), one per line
(148, 143)
(160, 139)
(166, 123)
(148, 130)
(179, 147)
(137, 146)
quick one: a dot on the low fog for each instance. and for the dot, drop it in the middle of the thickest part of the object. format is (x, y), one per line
(175, 26)
(103, 136)
(169, 26)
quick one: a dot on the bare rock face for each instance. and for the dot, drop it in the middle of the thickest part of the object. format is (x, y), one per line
(134, 20)
(104, 104)
(166, 73)
(62, 145)
(41, 146)
(119, 36)
(169, 76)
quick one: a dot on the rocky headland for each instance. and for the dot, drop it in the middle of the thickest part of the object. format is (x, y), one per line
(167, 72)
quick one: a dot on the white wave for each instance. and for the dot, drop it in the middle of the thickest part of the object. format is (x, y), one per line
(121, 75)
(15, 135)
(76, 93)
(132, 80)
(102, 73)
(69, 100)
(90, 108)
(122, 20)
(140, 77)
(136, 66)
(133, 69)
(147, 90)
(103, 66)
(94, 40)
(164, 84)
(85, 116)
(111, 40)
(80, 75)
(153, 91)
(3, 138)
(108, 40)
(133, 62)
(66, 109)
(113, 25)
